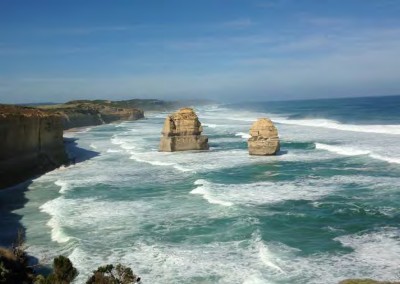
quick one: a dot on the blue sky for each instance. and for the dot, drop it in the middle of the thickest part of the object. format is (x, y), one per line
(220, 49)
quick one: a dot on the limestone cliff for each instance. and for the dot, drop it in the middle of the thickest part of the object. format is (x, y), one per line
(31, 143)
(264, 138)
(182, 131)
(80, 114)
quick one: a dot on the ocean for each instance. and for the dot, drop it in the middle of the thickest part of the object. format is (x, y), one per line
(325, 209)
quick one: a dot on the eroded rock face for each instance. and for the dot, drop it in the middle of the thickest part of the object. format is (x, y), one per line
(90, 114)
(31, 143)
(264, 138)
(182, 132)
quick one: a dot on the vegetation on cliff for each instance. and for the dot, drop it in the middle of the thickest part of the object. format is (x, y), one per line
(145, 104)
(89, 113)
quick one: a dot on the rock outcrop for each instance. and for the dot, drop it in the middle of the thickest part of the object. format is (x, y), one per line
(31, 143)
(264, 138)
(182, 131)
(81, 114)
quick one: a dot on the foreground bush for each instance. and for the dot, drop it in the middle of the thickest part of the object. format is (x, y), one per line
(14, 263)
(109, 274)
(63, 272)
(13, 269)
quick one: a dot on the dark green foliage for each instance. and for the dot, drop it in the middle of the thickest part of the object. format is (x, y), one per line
(109, 274)
(63, 272)
(40, 279)
(14, 263)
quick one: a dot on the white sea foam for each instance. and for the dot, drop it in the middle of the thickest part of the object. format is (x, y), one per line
(201, 190)
(210, 125)
(341, 150)
(137, 232)
(87, 213)
(391, 160)
(244, 261)
(243, 135)
(113, 151)
(260, 192)
(351, 151)
(273, 192)
(375, 256)
(265, 255)
(124, 142)
(55, 222)
(377, 249)
(93, 146)
(63, 184)
(332, 124)
(149, 159)
(115, 140)
(193, 161)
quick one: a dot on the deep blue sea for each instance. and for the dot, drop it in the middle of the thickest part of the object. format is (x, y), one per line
(326, 208)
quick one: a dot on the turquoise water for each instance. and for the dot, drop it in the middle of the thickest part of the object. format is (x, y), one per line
(325, 209)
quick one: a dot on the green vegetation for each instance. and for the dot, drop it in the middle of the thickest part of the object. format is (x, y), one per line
(63, 272)
(14, 269)
(14, 263)
(113, 275)
(144, 104)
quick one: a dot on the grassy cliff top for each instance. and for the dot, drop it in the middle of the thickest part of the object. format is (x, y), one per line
(143, 104)
(13, 110)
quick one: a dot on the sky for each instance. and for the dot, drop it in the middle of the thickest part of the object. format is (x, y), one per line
(228, 50)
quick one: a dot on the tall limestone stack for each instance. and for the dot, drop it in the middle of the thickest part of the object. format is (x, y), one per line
(264, 140)
(182, 132)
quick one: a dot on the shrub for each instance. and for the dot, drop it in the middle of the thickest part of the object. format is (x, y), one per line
(109, 274)
(63, 272)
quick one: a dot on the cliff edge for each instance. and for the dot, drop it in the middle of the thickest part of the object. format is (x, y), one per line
(182, 132)
(89, 113)
(31, 143)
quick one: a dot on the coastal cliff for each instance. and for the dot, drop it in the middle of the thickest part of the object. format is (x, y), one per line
(89, 113)
(31, 143)
(182, 131)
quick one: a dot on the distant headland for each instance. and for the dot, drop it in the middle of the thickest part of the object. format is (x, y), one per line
(32, 136)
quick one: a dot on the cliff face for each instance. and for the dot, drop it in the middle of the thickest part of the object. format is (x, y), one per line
(31, 143)
(89, 114)
(182, 131)
(264, 138)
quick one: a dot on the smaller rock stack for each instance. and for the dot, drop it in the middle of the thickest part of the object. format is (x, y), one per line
(182, 132)
(264, 140)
